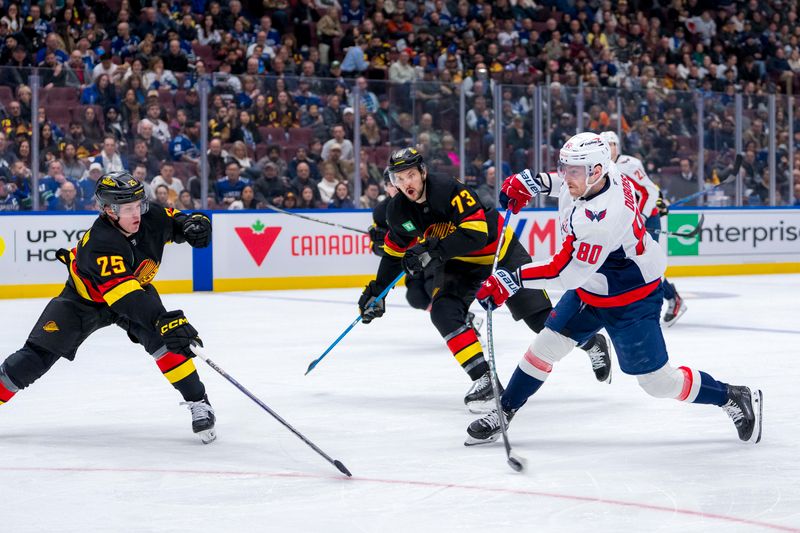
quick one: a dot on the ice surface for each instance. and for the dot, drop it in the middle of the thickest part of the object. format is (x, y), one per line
(101, 444)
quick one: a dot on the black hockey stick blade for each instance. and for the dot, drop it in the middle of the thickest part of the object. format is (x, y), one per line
(343, 469)
(737, 164)
(516, 462)
(697, 228)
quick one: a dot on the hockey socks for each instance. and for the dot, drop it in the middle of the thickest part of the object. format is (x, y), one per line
(7, 387)
(699, 387)
(529, 376)
(467, 350)
(181, 372)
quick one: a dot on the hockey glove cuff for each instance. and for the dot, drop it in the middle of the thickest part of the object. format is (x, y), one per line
(370, 308)
(422, 257)
(498, 288)
(519, 189)
(179, 336)
(197, 230)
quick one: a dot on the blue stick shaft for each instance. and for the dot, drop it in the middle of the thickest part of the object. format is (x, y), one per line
(380, 297)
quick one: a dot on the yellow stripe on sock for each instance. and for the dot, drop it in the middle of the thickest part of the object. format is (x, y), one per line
(468, 352)
(180, 372)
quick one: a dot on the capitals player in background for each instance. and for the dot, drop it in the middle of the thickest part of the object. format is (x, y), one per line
(110, 271)
(652, 207)
(611, 271)
(437, 226)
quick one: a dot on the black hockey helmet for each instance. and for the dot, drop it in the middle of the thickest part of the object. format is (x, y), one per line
(404, 159)
(119, 187)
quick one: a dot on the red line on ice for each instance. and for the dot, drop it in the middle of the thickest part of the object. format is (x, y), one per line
(433, 484)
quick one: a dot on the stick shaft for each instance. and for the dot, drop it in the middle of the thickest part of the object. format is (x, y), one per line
(312, 219)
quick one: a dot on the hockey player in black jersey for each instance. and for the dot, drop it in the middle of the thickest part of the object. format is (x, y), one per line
(110, 271)
(438, 225)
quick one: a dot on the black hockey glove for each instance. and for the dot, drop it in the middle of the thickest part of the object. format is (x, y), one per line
(197, 230)
(370, 312)
(377, 236)
(662, 205)
(178, 334)
(422, 257)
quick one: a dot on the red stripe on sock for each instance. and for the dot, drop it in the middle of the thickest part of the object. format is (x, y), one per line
(5, 394)
(540, 364)
(688, 380)
(169, 361)
(462, 340)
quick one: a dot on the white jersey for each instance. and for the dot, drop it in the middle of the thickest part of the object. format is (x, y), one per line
(606, 254)
(646, 190)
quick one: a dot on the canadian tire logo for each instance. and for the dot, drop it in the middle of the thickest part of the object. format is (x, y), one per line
(258, 239)
(683, 223)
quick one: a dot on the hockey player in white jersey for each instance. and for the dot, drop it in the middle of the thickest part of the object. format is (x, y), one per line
(652, 207)
(611, 271)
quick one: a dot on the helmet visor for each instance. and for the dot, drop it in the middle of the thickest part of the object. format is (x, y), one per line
(572, 172)
(140, 206)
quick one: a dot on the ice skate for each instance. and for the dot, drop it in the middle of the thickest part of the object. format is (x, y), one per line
(744, 407)
(480, 397)
(600, 358)
(202, 419)
(487, 429)
(675, 309)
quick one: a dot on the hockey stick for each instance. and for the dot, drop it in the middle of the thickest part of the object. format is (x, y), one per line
(335, 462)
(737, 164)
(385, 291)
(312, 219)
(689, 235)
(516, 462)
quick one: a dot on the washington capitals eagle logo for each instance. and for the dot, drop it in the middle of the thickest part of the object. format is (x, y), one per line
(598, 216)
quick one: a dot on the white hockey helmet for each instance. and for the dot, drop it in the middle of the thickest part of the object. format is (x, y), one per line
(610, 137)
(587, 149)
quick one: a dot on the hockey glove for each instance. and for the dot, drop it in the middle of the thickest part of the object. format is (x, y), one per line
(371, 309)
(662, 205)
(422, 257)
(498, 288)
(179, 336)
(377, 236)
(197, 230)
(519, 189)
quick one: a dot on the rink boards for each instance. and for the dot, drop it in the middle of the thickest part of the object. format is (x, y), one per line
(254, 250)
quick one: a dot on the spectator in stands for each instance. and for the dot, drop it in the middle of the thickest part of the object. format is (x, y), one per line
(48, 145)
(16, 122)
(167, 178)
(114, 125)
(74, 168)
(328, 29)
(8, 202)
(109, 157)
(308, 198)
(124, 44)
(354, 61)
(52, 44)
(220, 126)
(208, 34)
(102, 92)
(216, 159)
(91, 126)
(273, 156)
(13, 19)
(186, 145)
(686, 172)
(371, 196)
(50, 185)
(230, 187)
(327, 186)
(67, 197)
(368, 100)
(245, 131)
(175, 60)
(186, 202)
(158, 77)
(142, 156)
(303, 178)
(301, 156)
(17, 72)
(88, 183)
(24, 151)
(270, 187)
(106, 66)
(53, 72)
(487, 192)
(341, 197)
(239, 154)
(162, 196)
(21, 184)
(345, 145)
(370, 132)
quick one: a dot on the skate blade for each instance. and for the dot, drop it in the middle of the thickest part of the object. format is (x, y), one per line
(481, 408)
(757, 402)
(208, 436)
(472, 441)
(681, 311)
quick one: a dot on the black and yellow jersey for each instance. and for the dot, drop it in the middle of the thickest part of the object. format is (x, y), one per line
(467, 231)
(108, 268)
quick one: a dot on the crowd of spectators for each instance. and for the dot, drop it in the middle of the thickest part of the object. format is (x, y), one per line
(120, 83)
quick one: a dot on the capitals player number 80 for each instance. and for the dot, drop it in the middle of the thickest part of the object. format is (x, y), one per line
(589, 253)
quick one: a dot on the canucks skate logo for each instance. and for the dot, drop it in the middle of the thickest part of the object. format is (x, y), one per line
(594, 215)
